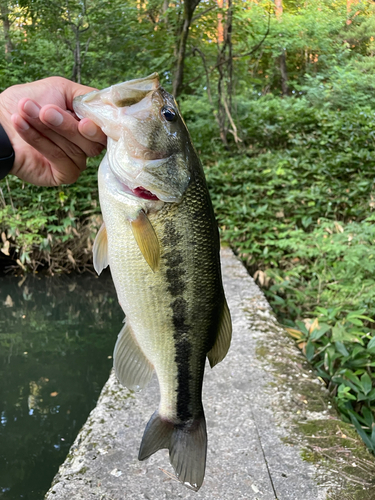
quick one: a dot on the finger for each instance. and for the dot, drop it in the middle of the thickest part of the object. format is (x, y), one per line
(63, 169)
(64, 124)
(73, 90)
(30, 111)
(90, 130)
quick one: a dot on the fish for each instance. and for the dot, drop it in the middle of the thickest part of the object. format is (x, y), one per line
(161, 241)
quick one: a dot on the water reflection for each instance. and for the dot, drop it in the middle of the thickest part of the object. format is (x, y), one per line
(56, 340)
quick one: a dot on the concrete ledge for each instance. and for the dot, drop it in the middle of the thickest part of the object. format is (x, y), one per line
(272, 431)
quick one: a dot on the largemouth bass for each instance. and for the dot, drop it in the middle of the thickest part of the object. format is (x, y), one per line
(161, 242)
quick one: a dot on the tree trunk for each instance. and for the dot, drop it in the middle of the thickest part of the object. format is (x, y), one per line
(4, 14)
(220, 29)
(284, 74)
(76, 73)
(189, 8)
(279, 8)
(225, 80)
(282, 57)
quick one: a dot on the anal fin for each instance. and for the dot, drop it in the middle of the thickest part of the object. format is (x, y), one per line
(147, 240)
(223, 339)
(132, 368)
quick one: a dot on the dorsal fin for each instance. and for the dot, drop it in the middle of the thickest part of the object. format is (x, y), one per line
(223, 339)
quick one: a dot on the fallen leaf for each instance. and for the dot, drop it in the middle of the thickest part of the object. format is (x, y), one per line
(5, 249)
(116, 472)
(8, 301)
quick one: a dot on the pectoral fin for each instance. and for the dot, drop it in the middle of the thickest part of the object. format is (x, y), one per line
(147, 241)
(132, 367)
(224, 336)
(100, 250)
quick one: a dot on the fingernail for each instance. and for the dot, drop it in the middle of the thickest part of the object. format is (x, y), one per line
(53, 117)
(31, 109)
(22, 124)
(90, 129)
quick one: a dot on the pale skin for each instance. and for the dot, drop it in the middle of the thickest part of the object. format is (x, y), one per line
(51, 145)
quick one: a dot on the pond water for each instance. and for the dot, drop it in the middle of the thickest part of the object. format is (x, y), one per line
(56, 340)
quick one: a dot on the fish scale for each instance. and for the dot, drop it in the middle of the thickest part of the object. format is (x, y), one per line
(161, 242)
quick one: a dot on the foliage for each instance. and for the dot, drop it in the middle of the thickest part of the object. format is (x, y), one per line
(282, 112)
(52, 227)
(297, 209)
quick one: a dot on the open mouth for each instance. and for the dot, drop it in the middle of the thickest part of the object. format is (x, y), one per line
(141, 192)
(138, 192)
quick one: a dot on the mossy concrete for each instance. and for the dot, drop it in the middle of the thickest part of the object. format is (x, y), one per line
(273, 431)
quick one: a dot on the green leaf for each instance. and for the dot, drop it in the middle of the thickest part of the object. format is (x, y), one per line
(301, 325)
(317, 334)
(344, 393)
(341, 349)
(368, 416)
(366, 439)
(310, 350)
(371, 395)
(371, 343)
(366, 383)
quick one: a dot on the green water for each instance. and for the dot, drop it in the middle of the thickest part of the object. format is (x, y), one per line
(56, 341)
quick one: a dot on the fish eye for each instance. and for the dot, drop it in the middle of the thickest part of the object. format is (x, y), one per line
(169, 114)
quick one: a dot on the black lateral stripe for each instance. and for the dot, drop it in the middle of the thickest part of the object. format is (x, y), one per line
(175, 275)
(182, 358)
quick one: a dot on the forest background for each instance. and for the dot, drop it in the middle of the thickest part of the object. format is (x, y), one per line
(279, 98)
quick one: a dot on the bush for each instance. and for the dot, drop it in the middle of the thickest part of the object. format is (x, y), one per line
(296, 209)
(49, 228)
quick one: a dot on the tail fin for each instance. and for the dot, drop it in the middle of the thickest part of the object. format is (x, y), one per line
(187, 444)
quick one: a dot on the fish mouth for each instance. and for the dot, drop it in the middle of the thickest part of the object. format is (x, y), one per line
(139, 192)
(100, 105)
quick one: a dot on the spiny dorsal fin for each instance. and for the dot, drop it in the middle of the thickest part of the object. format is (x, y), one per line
(132, 367)
(224, 336)
(146, 238)
(100, 250)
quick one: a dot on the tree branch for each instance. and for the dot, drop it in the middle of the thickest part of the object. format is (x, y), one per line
(203, 13)
(237, 56)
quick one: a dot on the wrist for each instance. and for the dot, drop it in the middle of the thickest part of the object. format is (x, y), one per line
(6, 154)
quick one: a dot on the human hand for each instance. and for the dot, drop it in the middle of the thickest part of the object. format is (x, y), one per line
(50, 144)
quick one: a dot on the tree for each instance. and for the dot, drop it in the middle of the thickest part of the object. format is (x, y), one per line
(182, 36)
(4, 15)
